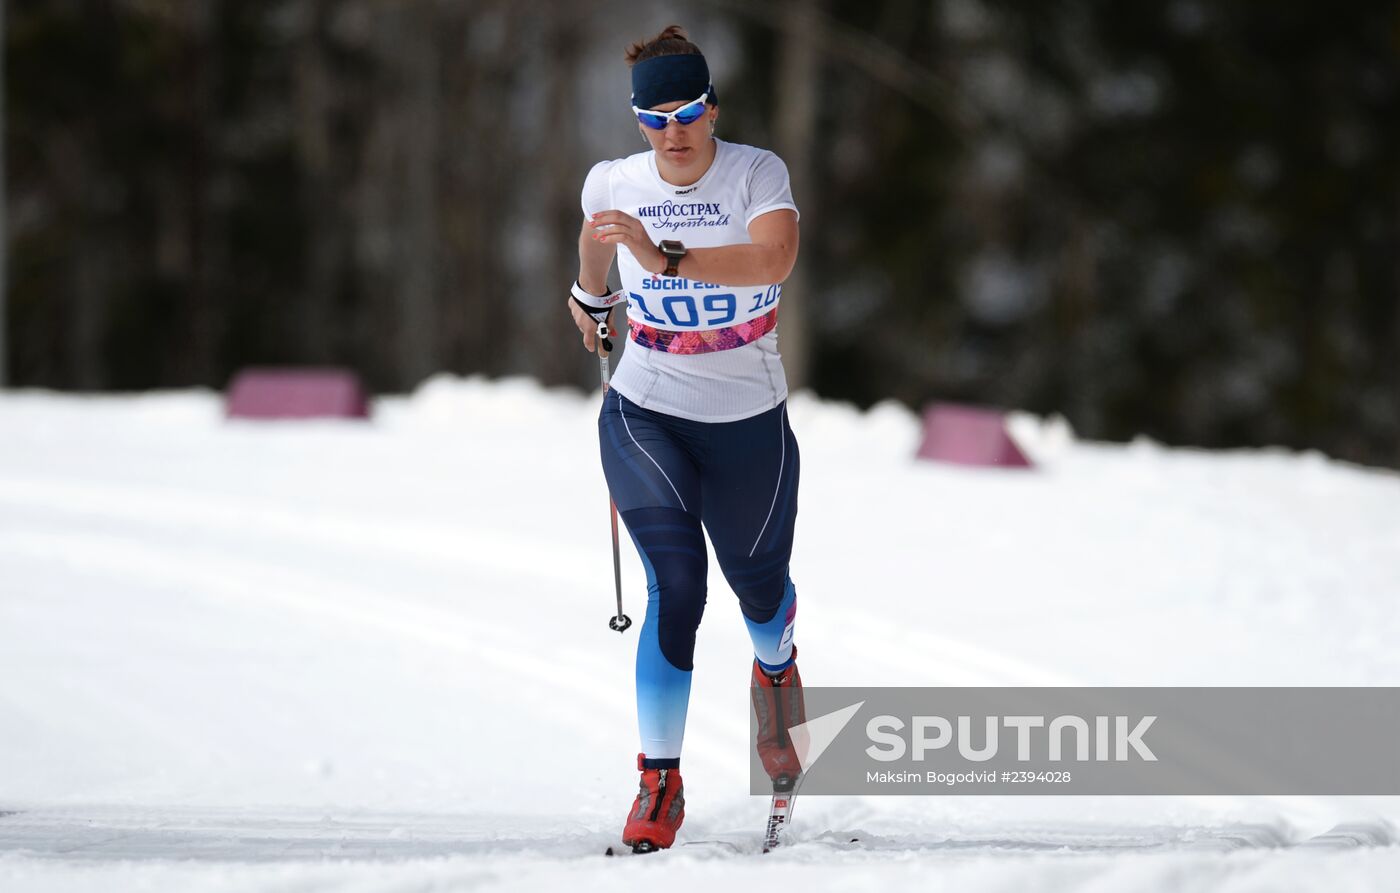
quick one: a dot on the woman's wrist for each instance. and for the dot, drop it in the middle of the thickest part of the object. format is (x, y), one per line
(598, 288)
(647, 254)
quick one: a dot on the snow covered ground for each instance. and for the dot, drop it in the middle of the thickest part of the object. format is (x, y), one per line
(341, 656)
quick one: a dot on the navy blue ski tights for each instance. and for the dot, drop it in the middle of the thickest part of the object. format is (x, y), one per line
(669, 477)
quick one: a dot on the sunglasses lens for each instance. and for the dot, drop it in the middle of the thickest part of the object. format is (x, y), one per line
(691, 113)
(655, 122)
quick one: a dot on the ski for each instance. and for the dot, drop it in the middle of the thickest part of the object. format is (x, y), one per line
(779, 813)
(727, 846)
(779, 816)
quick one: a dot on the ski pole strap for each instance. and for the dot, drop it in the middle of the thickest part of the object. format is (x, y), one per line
(599, 308)
(706, 341)
(596, 306)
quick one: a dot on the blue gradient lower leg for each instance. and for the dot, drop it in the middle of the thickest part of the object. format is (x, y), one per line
(772, 639)
(663, 690)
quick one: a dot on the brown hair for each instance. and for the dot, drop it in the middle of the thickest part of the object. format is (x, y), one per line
(671, 42)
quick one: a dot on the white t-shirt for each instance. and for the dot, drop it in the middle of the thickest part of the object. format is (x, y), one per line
(742, 183)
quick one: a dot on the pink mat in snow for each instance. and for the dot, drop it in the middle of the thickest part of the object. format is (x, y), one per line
(969, 435)
(296, 393)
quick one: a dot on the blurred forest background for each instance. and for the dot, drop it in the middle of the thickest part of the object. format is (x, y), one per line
(1170, 217)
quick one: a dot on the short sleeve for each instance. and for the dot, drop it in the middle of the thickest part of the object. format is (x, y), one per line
(769, 189)
(597, 194)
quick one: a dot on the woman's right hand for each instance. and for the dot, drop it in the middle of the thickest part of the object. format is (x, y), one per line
(588, 326)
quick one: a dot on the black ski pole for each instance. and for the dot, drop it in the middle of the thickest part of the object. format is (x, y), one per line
(621, 621)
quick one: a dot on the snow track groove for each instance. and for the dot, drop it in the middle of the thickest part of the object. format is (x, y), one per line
(101, 833)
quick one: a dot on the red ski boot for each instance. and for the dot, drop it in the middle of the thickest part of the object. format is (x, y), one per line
(777, 703)
(657, 812)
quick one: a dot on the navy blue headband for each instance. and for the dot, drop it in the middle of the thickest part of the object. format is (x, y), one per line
(670, 79)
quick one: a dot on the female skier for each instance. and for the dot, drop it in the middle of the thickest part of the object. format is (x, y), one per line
(694, 429)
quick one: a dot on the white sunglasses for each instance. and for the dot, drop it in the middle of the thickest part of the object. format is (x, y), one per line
(686, 114)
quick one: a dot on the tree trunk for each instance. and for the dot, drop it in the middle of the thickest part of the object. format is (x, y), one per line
(196, 364)
(4, 233)
(796, 104)
(550, 322)
(320, 197)
(417, 341)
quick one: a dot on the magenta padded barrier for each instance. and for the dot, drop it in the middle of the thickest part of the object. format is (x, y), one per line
(969, 435)
(296, 393)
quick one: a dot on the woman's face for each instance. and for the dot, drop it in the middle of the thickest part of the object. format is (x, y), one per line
(681, 144)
